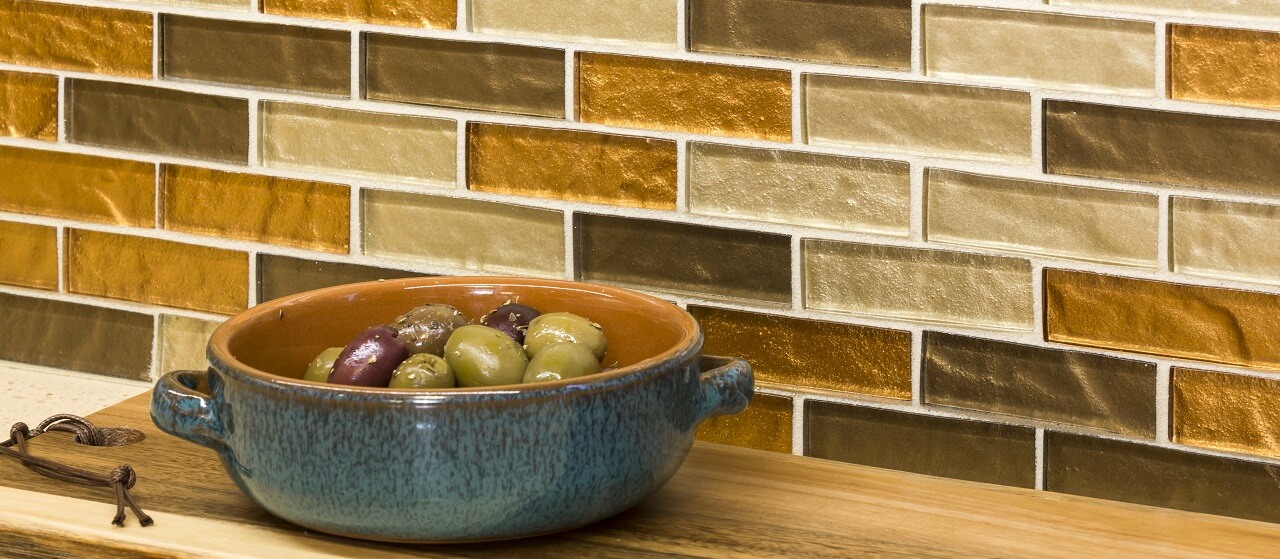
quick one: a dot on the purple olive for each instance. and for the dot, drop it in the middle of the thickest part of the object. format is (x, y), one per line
(369, 359)
(512, 319)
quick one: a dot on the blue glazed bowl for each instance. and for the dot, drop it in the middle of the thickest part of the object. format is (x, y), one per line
(455, 465)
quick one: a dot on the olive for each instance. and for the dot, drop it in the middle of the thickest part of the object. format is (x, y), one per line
(561, 361)
(482, 356)
(512, 319)
(322, 365)
(425, 329)
(560, 327)
(369, 359)
(423, 370)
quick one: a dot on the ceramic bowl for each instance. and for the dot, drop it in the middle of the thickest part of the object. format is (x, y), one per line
(455, 465)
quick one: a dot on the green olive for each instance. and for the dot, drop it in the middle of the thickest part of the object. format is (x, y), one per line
(483, 356)
(561, 327)
(423, 370)
(322, 366)
(561, 361)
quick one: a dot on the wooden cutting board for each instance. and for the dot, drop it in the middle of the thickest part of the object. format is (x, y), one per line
(724, 502)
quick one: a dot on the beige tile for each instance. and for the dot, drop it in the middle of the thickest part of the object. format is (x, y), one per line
(1233, 240)
(183, 341)
(642, 22)
(1263, 9)
(863, 32)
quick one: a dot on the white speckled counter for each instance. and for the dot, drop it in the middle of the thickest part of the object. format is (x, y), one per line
(30, 394)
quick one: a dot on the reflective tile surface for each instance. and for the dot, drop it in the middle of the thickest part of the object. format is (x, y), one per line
(1229, 8)
(1225, 411)
(28, 105)
(75, 336)
(863, 32)
(1226, 239)
(766, 425)
(1222, 65)
(438, 14)
(651, 23)
(80, 38)
(280, 276)
(183, 341)
(85, 187)
(28, 255)
(263, 55)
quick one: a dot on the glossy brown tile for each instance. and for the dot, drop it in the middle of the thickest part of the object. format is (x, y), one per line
(766, 425)
(548, 163)
(811, 353)
(663, 94)
(1085, 389)
(1160, 146)
(83, 187)
(286, 57)
(465, 74)
(437, 14)
(862, 32)
(28, 105)
(80, 38)
(938, 446)
(183, 341)
(28, 255)
(1225, 411)
(683, 258)
(1162, 477)
(1147, 316)
(1220, 65)
(168, 121)
(281, 276)
(156, 271)
(288, 212)
(74, 336)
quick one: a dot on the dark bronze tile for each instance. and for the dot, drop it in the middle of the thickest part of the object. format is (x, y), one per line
(1162, 477)
(75, 336)
(274, 56)
(766, 425)
(280, 276)
(865, 32)
(938, 446)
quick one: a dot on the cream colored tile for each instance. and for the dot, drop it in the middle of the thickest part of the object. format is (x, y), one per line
(1226, 239)
(183, 341)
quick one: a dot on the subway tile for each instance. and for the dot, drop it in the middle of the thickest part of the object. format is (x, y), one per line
(28, 255)
(168, 121)
(765, 425)
(1022, 48)
(683, 258)
(1220, 65)
(810, 189)
(1085, 389)
(918, 117)
(1050, 219)
(28, 105)
(157, 271)
(650, 23)
(811, 353)
(281, 276)
(1147, 316)
(431, 14)
(1224, 411)
(918, 284)
(548, 163)
(1185, 149)
(360, 144)
(472, 234)
(288, 212)
(84, 187)
(183, 341)
(1196, 8)
(75, 336)
(1231, 240)
(1162, 477)
(465, 74)
(938, 446)
(862, 32)
(267, 55)
(79, 38)
(675, 95)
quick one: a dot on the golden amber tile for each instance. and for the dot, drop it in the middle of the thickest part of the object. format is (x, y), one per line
(812, 189)
(360, 144)
(1147, 316)
(28, 255)
(1022, 48)
(28, 105)
(156, 271)
(548, 163)
(74, 186)
(811, 353)
(937, 446)
(75, 336)
(183, 341)
(153, 119)
(1221, 65)
(1231, 240)
(466, 74)
(281, 276)
(268, 55)
(1045, 218)
(863, 32)
(289, 212)
(1162, 477)
(1085, 389)
(683, 258)
(765, 425)
(699, 97)
(1222, 411)
(80, 38)
(918, 117)
(647, 22)
(436, 14)
(1186, 149)
(1197, 8)
(471, 234)
(918, 284)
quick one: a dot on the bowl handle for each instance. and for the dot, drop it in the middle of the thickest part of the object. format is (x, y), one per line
(726, 386)
(181, 410)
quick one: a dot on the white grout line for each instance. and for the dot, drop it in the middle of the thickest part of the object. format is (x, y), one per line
(63, 114)
(570, 85)
(157, 41)
(464, 15)
(1037, 303)
(1162, 58)
(917, 37)
(357, 66)
(356, 231)
(918, 198)
(682, 25)
(917, 367)
(1040, 459)
(797, 425)
(1164, 234)
(460, 153)
(60, 234)
(253, 278)
(797, 109)
(682, 177)
(157, 345)
(1163, 405)
(570, 252)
